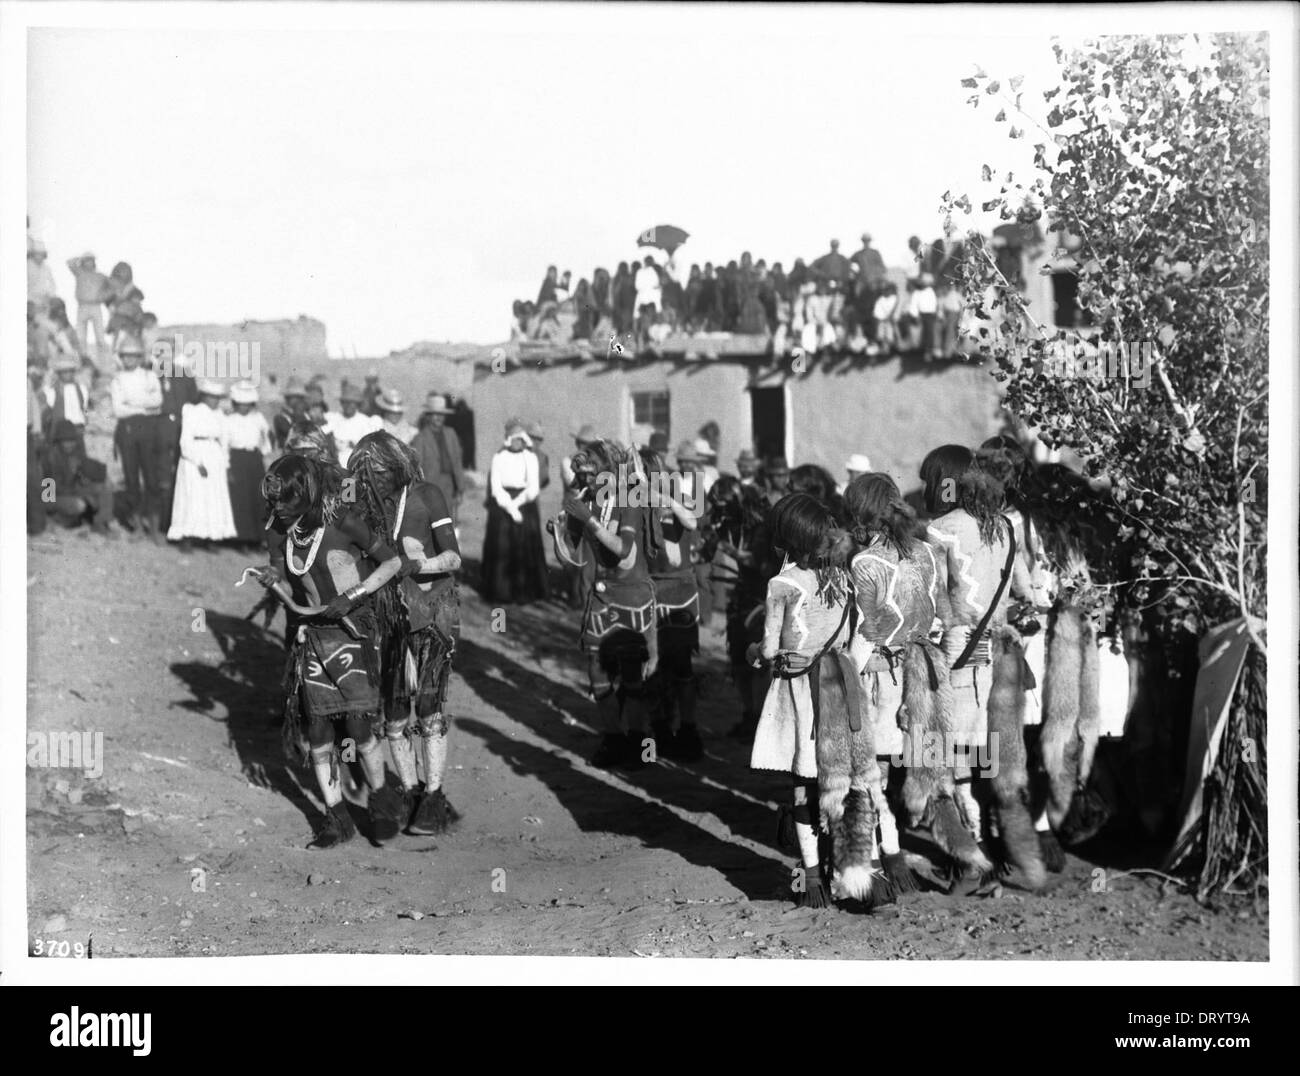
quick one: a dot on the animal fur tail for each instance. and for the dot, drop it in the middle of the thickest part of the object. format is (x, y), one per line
(927, 706)
(854, 836)
(953, 837)
(1010, 781)
(1062, 674)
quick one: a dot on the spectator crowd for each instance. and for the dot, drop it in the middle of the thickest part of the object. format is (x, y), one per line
(835, 302)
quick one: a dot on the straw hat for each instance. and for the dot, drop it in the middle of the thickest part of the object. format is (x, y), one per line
(436, 404)
(704, 449)
(243, 392)
(747, 456)
(210, 386)
(586, 435)
(687, 452)
(534, 430)
(857, 463)
(390, 402)
(294, 387)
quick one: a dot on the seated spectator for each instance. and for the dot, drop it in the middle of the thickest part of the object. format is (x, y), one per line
(649, 297)
(518, 321)
(584, 310)
(80, 484)
(546, 293)
(884, 315)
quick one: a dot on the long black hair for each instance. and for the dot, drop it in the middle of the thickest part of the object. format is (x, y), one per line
(811, 537)
(819, 483)
(316, 484)
(381, 465)
(941, 470)
(982, 491)
(876, 508)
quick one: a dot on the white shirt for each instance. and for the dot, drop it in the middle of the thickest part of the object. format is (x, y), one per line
(647, 286)
(924, 301)
(402, 430)
(71, 402)
(249, 432)
(513, 470)
(136, 392)
(348, 431)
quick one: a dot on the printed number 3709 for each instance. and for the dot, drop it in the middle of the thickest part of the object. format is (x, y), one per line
(58, 947)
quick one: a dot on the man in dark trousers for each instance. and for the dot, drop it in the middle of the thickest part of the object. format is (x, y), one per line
(137, 404)
(439, 452)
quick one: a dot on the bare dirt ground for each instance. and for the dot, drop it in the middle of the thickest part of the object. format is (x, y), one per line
(192, 842)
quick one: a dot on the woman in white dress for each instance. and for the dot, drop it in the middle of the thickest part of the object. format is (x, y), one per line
(201, 505)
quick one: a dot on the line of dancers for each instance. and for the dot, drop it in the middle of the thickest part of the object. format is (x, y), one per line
(886, 664)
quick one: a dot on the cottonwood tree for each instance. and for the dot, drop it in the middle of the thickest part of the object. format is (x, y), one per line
(1151, 172)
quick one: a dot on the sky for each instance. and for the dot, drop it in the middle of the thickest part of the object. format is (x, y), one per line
(406, 183)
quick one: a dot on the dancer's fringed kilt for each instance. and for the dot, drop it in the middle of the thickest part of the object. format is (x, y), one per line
(329, 674)
(1010, 781)
(417, 664)
(1071, 714)
(846, 772)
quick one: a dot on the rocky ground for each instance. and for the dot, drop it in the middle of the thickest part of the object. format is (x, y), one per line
(192, 840)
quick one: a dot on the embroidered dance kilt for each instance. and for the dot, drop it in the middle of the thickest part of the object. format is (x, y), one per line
(619, 624)
(785, 739)
(335, 674)
(882, 699)
(677, 610)
(970, 691)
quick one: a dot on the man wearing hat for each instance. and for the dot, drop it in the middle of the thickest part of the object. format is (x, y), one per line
(584, 437)
(439, 452)
(293, 411)
(857, 464)
(348, 425)
(178, 389)
(66, 399)
(391, 410)
(870, 279)
(707, 456)
(40, 281)
(747, 467)
(137, 402)
(81, 490)
(370, 395)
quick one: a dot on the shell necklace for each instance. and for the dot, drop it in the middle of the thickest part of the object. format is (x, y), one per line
(313, 544)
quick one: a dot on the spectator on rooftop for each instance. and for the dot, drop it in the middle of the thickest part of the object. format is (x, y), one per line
(585, 310)
(546, 293)
(833, 266)
(649, 297)
(562, 292)
(92, 291)
(624, 299)
(40, 281)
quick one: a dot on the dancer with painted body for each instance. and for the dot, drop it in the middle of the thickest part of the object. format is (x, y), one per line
(327, 564)
(420, 618)
(901, 594)
(814, 693)
(619, 636)
(677, 611)
(984, 577)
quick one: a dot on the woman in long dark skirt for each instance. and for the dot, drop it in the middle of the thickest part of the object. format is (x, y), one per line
(514, 560)
(250, 443)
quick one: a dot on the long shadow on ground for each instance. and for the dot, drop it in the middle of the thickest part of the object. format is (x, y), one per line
(246, 684)
(512, 689)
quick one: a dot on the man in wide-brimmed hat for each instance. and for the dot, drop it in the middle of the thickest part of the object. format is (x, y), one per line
(294, 410)
(348, 425)
(137, 402)
(439, 450)
(66, 400)
(585, 436)
(747, 467)
(391, 409)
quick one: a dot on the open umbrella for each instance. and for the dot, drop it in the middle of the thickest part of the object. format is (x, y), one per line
(667, 237)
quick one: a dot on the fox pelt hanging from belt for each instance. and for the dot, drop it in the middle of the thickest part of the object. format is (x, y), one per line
(1071, 707)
